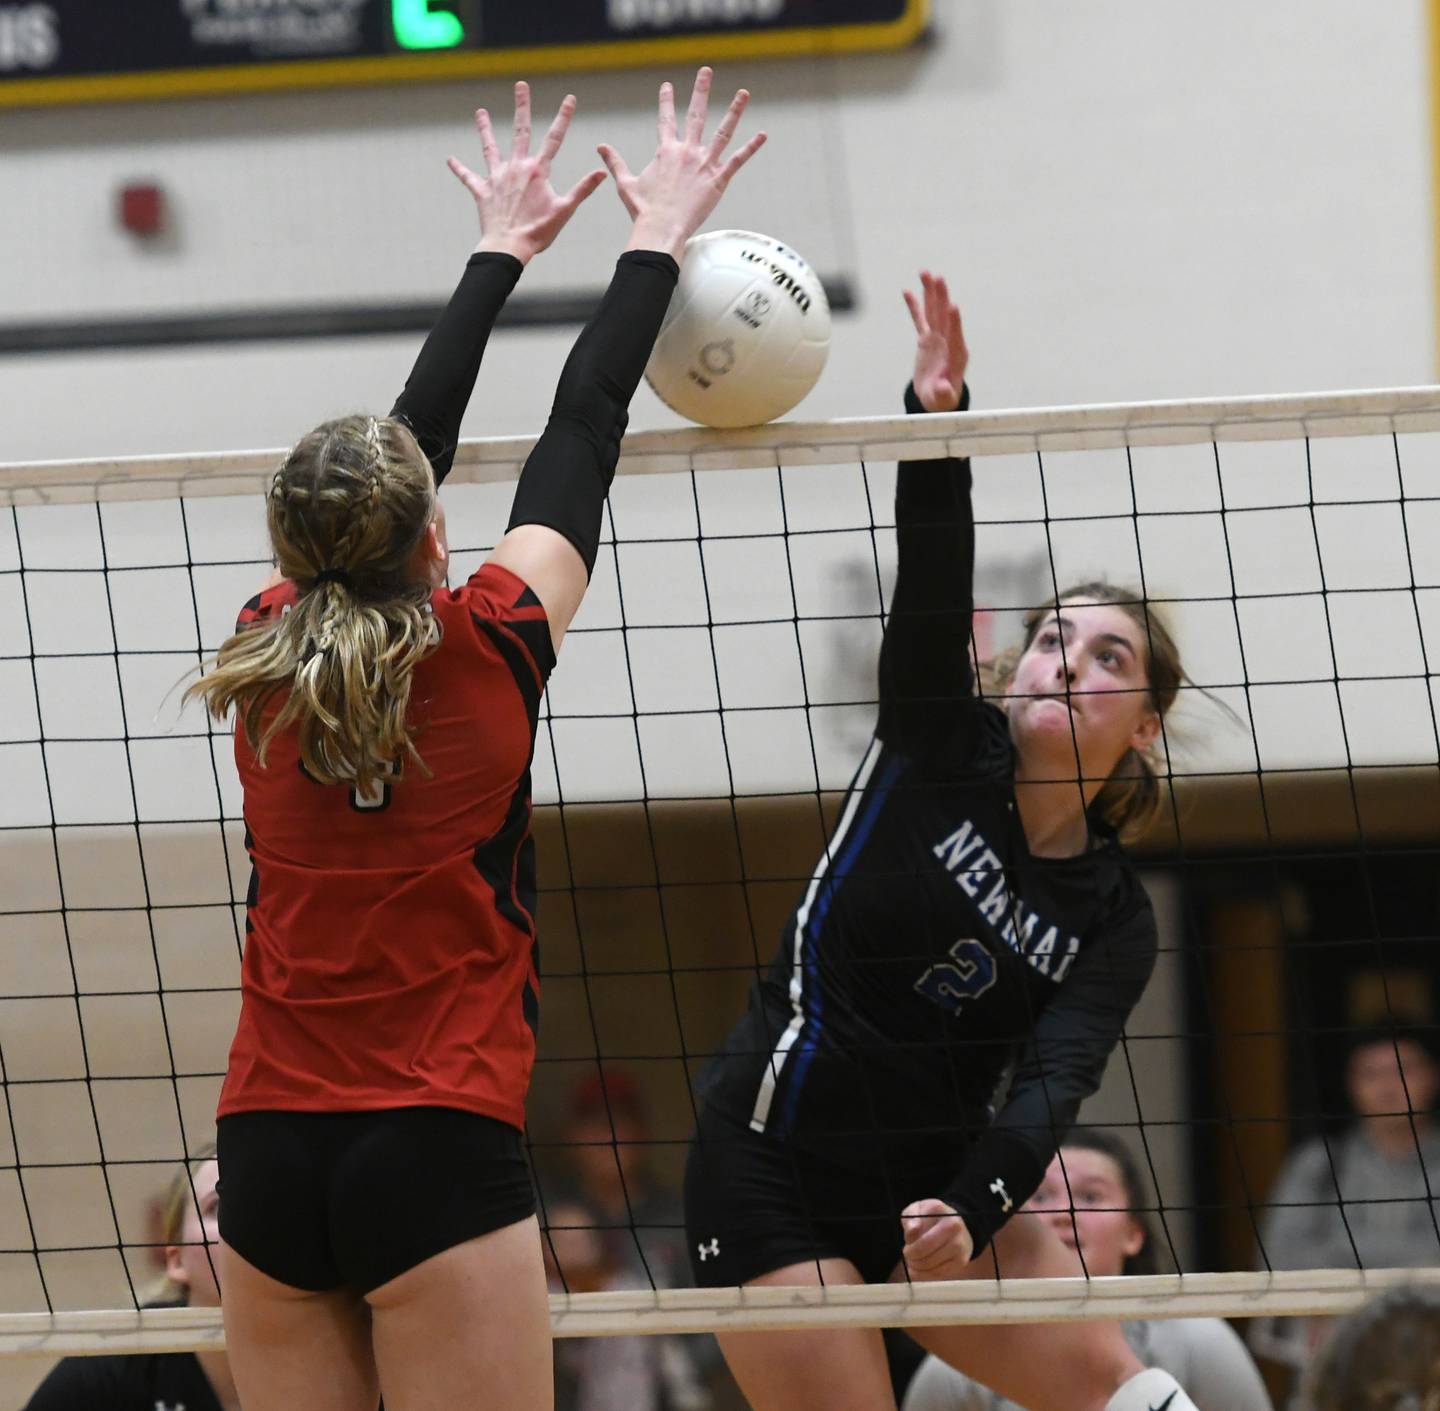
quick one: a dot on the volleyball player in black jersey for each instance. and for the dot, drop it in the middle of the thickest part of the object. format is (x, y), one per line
(972, 915)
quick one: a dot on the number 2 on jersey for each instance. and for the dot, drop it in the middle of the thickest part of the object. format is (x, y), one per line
(968, 973)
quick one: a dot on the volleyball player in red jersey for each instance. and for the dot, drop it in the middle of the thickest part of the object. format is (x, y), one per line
(377, 1218)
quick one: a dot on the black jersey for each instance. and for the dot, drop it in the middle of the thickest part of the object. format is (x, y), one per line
(149, 1381)
(931, 953)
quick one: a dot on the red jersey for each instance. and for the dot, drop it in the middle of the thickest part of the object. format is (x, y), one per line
(390, 955)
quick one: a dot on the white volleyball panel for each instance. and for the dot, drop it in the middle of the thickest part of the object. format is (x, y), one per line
(746, 334)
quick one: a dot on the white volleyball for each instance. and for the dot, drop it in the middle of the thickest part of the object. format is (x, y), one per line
(746, 333)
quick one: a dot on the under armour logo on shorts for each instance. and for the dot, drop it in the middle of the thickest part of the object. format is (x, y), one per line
(997, 1187)
(710, 1250)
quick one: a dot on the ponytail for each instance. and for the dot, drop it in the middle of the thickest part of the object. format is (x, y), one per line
(346, 513)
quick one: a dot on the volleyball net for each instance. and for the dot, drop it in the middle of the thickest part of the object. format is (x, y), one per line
(713, 697)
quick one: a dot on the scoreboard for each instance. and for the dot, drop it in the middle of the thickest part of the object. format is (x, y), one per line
(59, 51)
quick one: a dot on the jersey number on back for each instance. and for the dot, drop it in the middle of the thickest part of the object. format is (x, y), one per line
(373, 802)
(968, 973)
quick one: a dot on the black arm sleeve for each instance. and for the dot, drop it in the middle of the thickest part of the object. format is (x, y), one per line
(925, 659)
(568, 474)
(1060, 1066)
(439, 386)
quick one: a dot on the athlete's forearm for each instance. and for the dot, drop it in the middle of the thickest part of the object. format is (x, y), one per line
(1001, 1173)
(439, 386)
(1060, 1065)
(925, 660)
(568, 474)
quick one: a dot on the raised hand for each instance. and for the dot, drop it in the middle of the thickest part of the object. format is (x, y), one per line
(940, 352)
(520, 213)
(937, 1243)
(687, 176)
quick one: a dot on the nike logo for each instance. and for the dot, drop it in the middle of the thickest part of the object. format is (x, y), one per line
(1165, 1403)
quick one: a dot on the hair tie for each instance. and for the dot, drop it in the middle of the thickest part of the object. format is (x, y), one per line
(335, 575)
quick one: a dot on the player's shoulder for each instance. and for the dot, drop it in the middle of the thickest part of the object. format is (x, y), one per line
(493, 599)
(498, 592)
(270, 602)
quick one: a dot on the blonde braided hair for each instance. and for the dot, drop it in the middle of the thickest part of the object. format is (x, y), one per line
(346, 511)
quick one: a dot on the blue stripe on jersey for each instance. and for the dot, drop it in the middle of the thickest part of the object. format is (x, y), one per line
(836, 875)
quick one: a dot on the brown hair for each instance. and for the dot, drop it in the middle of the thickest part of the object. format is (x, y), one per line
(346, 512)
(1383, 1357)
(1137, 1205)
(177, 1203)
(1131, 799)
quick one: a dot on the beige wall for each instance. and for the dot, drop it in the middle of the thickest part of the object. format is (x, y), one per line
(1134, 201)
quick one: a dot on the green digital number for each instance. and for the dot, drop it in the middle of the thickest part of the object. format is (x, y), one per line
(417, 26)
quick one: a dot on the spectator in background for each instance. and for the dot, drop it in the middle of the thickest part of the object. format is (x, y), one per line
(624, 1228)
(1383, 1357)
(1094, 1198)
(608, 1142)
(197, 1381)
(1368, 1198)
(611, 1373)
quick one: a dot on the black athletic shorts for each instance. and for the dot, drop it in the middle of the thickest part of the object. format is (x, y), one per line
(754, 1204)
(326, 1200)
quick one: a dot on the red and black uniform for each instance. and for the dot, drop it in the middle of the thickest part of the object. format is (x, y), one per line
(390, 964)
(390, 940)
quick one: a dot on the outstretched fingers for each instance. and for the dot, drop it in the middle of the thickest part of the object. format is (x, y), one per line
(934, 300)
(614, 162)
(520, 146)
(943, 300)
(556, 135)
(728, 124)
(582, 189)
(666, 122)
(916, 314)
(699, 106)
(488, 145)
(955, 333)
(742, 156)
(467, 178)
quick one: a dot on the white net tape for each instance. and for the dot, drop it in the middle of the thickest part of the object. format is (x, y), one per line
(843, 441)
